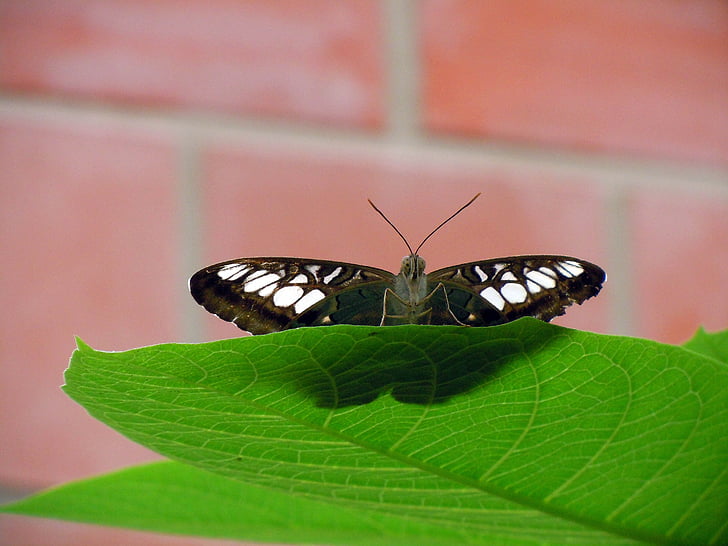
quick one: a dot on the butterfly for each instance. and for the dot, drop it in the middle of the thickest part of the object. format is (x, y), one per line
(263, 295)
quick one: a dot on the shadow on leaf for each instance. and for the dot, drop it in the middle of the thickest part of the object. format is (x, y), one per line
(419, 369)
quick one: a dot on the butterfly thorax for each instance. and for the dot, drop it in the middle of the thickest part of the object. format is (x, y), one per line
(411, 288)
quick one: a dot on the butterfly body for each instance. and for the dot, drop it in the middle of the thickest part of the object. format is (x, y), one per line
(405, 301)
(264, 295)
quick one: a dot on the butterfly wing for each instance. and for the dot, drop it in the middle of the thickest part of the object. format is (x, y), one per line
(263, 295)
(496, 291)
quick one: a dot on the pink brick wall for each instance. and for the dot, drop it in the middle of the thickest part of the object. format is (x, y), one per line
(141, 140)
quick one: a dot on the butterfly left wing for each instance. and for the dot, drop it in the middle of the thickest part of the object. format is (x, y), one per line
(263, 295)
(496, 291)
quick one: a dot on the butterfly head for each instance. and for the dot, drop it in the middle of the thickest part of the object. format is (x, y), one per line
(413, 266)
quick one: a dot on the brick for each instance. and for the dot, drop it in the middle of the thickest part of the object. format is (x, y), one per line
(88, 231)
(680, 264)
(270, 201)
(642, 78)
(319, 61)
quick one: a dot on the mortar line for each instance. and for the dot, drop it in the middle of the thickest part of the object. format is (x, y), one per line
(620, 257)
(641, 173)
(190, 221)
(402, 70)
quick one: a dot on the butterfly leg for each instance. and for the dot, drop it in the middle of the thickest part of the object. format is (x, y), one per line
(387, 293)
(429, 296)
(408, 313)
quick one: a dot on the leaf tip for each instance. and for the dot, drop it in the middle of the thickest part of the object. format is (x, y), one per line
(81, 345)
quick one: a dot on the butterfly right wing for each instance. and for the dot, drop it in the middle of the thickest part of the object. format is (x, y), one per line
(263, 295)
(500, 290)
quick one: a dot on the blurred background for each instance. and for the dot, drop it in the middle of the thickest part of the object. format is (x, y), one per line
(141, 141)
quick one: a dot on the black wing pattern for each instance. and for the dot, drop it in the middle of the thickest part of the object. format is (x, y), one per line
(263, 295)
(496, 291)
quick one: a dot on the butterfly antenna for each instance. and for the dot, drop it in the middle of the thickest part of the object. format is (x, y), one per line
(393, 226)
(446, 221)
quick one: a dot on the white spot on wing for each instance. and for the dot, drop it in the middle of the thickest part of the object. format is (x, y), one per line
(310, 299)
(575, 268)
(541, 279)
(480, 273)
(549, 272)
(331, 276)
(267, 290)
(256, 274)
(260, 281)
(492, 296)
(299, 279)
(287, 296)
(533, 288)
(561, 269)
(514, 292)
(231, 272)
(313, 269)
(508, 276)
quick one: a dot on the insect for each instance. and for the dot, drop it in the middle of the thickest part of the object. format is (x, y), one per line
(263, 295)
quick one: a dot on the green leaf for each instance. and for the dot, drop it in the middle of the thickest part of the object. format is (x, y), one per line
(525, 433)
(713, 345)
(180, 499)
